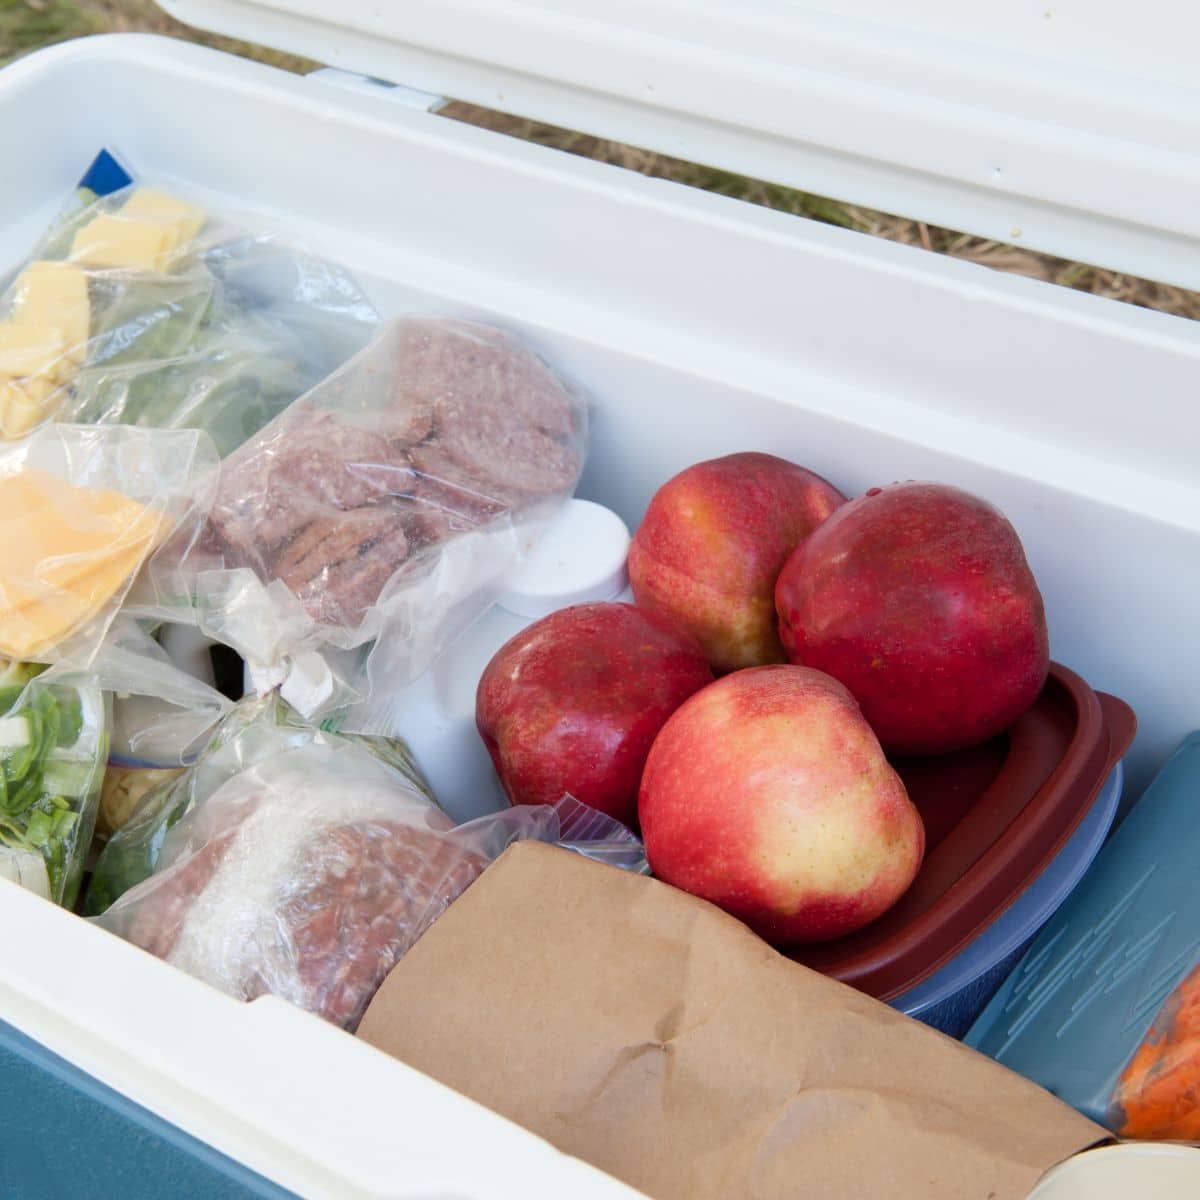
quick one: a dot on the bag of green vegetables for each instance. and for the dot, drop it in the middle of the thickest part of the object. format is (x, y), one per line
(53, 748)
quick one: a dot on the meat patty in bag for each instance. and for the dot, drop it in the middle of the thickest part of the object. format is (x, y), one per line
(373, 520)
(307, 877)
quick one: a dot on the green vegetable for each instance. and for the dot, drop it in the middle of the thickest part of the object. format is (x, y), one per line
(53, 746)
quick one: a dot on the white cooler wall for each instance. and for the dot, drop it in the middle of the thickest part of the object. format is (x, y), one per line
(702, 325)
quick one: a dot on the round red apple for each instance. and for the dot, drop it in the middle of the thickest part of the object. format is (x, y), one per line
(768, 794)
(918, 598)
(573, 703)
(712, 543)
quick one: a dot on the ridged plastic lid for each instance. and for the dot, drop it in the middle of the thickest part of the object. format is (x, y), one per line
(580, 557)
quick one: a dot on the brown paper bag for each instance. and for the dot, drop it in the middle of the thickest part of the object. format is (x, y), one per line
(656, 1037)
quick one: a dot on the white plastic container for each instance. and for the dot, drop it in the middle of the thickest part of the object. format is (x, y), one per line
(1130, 1171)
(579, 558)
(699, 325)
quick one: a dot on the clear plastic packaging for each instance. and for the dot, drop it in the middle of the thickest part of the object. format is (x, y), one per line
(372, 521)
(53, 747)
(307, 876)
(597, 836)
(142, 308)
(254, 731)
(81, 509)
(1157, 1097)
(163, 716)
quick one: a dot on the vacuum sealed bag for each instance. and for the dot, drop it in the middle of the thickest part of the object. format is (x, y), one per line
(251, 733)
(81, 509)
(307, 876)
(382, 508)
(143, 308)
(162, 717)
(53, 746)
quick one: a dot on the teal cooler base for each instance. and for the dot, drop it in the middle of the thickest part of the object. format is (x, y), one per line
(64, 1134)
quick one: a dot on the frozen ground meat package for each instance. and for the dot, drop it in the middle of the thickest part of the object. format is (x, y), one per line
(372, 520)
(308, 876)
(254, 730)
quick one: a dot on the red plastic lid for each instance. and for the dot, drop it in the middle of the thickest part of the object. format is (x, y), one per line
(995, 816)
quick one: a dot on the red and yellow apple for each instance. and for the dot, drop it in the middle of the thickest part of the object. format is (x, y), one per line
(768, 794)
(711, 544)
(573, 703)
(918, 597)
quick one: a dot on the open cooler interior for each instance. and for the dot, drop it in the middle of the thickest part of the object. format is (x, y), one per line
(698, 325)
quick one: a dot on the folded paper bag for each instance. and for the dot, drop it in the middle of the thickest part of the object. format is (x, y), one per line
(654, 1036)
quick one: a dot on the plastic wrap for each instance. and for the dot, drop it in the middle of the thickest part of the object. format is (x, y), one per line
(597, 836)
(1157, 1097)
(162, 715)
(142, 308)
(123, 790)
(81, 509)
(254, 731)
(379, 512)
(53, 746)
(307, 876)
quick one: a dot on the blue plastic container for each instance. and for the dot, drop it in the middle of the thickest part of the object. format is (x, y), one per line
(1083, 998)
(953, 997)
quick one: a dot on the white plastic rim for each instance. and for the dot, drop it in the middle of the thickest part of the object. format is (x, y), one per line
(579, 557)
(1130, 1171)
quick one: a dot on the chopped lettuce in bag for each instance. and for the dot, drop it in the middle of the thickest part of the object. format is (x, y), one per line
(142, 308)
(53, 747)
(255, 730)
(367, 525)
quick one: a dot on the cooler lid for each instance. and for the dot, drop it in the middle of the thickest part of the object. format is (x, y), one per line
(1068, 126)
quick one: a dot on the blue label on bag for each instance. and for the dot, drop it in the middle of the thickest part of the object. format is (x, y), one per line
(105, 175)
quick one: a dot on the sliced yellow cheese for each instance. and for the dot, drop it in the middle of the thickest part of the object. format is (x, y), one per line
(67, 551)
(29, 349)
(55, 293)
(150, 204)
(24, 404)
(112, 241)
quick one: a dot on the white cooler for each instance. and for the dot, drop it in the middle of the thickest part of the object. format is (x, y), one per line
(700, 325)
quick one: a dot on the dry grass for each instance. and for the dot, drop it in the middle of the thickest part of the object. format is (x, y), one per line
(28, 24)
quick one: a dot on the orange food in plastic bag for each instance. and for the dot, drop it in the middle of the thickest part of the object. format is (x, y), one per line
(1158, 1093)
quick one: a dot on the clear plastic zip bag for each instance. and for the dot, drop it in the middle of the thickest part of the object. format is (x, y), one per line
(53, 747)
(371, 522)
(143, 308)
(307, 876)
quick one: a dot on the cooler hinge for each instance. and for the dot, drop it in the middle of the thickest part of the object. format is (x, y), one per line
(353, 82)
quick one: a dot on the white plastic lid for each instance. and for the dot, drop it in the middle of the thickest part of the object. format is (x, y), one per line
(580, 557)
(1071, 128)
(1133, 1169)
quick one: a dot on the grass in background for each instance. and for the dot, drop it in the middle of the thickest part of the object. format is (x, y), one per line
(26, 25)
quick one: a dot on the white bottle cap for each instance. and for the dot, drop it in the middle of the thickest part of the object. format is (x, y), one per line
(579, 557)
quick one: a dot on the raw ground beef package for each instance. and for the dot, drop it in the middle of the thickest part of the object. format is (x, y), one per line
(253, 731)
(372, 520)
(308, 876)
